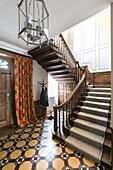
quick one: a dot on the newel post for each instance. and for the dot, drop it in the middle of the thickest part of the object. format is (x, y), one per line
(55, 118)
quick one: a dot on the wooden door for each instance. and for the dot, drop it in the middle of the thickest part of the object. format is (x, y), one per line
(5, 91)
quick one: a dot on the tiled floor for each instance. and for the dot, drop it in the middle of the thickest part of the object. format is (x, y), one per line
(33, 148)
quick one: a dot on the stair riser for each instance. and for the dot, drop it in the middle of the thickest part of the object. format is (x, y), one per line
(80, 103)
(108, 124)
(83, 152)
(100, 90)
(108, 136)
(97, 100)
(100, 122)
(71, 122)
(108, 149)
(96, 106)
(90, 86)
(109, 116)
(75, 115)
(94, 112)
(78, 109)
(99, 95)
(85, 94)
(91, 142)
(97, 131)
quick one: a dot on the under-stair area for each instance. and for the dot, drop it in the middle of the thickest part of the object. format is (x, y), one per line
(88, 133)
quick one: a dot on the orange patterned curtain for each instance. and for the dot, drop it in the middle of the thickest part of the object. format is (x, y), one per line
(24, 102)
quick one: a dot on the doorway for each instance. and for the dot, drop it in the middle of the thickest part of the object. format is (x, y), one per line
(6, 91)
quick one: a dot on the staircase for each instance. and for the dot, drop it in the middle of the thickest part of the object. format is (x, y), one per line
(88, 133)
(56, 58)
(83, 119)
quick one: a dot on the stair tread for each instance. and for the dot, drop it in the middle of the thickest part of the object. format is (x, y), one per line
(108, 130)
(99, 93)
(93, 116)
(106, 158)
(95, 109)
(107, 143)
(101, 88)
(84, 148)
(97, 103)
(91, 124)
(103, 98)
(87, 134)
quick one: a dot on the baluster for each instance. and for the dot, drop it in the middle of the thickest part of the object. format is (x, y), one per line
(69, 111)
(67, 58)
(64, 52)
(60, 45)
(78, 74)
(66, 114)
(56, 39)
(55, 119)
(59, 120)
(73, 100)
(53, 41)
(62, 48)
(63, 119)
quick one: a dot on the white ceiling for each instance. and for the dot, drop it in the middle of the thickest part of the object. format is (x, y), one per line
(63, 15)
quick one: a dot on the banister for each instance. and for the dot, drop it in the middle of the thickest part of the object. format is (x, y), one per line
(67, 47)
(75, 89)
(77, 62)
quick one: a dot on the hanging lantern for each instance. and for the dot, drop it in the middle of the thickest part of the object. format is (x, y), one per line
(33, 21)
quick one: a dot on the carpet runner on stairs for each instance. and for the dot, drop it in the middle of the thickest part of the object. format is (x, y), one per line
(87, 135)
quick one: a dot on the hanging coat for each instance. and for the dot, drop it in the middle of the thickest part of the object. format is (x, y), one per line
(44, 97)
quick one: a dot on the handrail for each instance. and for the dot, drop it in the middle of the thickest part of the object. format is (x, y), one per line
(65, 109)
(77, 62)
(67, 47)
(75, 89)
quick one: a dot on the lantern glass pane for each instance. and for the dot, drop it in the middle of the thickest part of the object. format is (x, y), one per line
(33, 23)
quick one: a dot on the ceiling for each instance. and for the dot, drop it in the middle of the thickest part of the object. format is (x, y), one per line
(63, 15)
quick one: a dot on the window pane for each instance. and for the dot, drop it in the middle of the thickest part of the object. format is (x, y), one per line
(3, 64)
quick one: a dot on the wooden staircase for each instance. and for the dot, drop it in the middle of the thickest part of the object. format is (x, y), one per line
(56, 58)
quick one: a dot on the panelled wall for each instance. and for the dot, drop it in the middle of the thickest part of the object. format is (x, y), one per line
(64, 90)
(90, 42)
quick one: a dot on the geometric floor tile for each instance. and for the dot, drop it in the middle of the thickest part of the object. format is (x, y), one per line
(32, 148)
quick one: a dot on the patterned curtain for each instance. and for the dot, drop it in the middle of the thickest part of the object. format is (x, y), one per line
(24, 102)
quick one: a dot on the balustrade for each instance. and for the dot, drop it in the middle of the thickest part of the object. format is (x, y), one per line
(63, 48)
(62, 113)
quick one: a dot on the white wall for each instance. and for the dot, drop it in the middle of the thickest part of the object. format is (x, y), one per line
(112, 66)
(38, 75)
(90, 42)
(52, 92)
